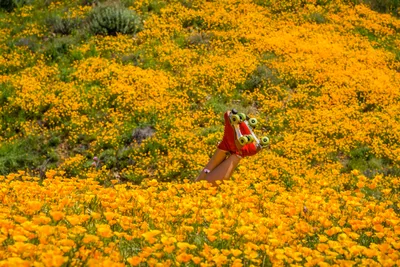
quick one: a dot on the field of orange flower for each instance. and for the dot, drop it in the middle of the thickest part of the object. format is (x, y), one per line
(102, 134)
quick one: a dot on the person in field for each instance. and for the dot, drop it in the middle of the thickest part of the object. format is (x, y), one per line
(228, 154)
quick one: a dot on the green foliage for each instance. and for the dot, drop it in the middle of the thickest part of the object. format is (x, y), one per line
(29, 153)
(383, 6)
(217, 105)
(278, 6)
(64, 26)
(200, 38)
(197, 23)
(110, 19)
(366, 241)
(188, 4)
(10, 5)
(311, 241)
(367, 33)
(362, 158)
(372, 193)
(58, 48)
(31, 42)
(288, 181)
(262, 76)
(317, 18)
(6, 92)
(153, 6)
(385, 42)
(129, 248)
(89, 2)
(180, 40)
(109, 158)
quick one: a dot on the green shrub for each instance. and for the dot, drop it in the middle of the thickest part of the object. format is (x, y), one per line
(188, 4)
(10, 5)
(278, 6)
(28, 153)
(384, 6)
(61, 25)
(132, 58)
(153, 6)
(362, 158)
(260, 77)
(6, 92)
(199, 38)
(109, 158)
(111, 19)
(317, 18)
(195, 22)
(89, 2)
(57, 48)
(217, 104)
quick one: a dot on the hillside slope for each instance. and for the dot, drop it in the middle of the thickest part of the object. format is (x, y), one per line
(104, 125)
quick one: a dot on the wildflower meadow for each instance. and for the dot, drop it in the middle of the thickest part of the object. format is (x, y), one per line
(110, 109)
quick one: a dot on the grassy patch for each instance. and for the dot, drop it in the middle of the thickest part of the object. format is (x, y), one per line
(31, 153)
(263, 76)
(316, 17)
(382, 6)
(386, 42)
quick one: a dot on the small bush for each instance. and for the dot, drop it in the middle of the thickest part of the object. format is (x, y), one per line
(195, 22)
(63, 26)
(10, 5)
(29, 42)
(6, 92)
(89, 2)
(361, 158)
(109, 158)
(132, 58)
(260, 77)
(278, 6)
(188, 4)
(140, 134)
(58, 47)
(111, 19)
(317, 18)
(23, 154)
(384, 6)
(153, 6)
(199, 38)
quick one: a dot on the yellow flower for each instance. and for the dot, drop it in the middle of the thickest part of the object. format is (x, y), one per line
(33, 206)
(396, 245)
(109, 215)
(20, 238)
(90, 238)
(236, 252)
(196, 260)
(184, 257)
(15, 261)
(73, 219)
(50, 259)
(149, 236)
(169, 248)
(322, 238)
(322, 247)
(184, 245)
(57, 215)
(95, 215)
(134, 261)
(20, 219)
(104, 230)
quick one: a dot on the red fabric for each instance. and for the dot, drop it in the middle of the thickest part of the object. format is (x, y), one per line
(228, 141)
